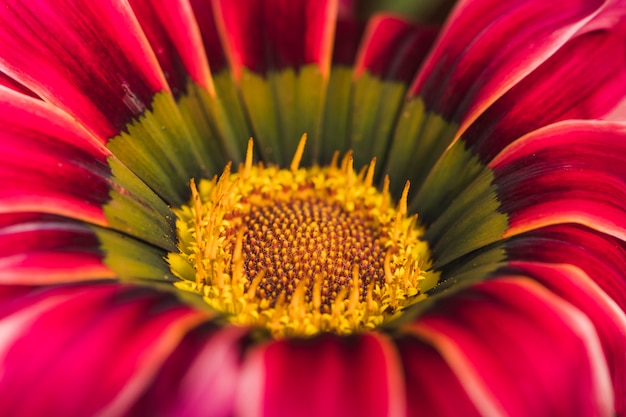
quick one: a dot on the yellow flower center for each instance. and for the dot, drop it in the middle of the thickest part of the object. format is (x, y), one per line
(299, 251)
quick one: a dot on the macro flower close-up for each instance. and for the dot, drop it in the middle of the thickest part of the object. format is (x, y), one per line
(312, 208)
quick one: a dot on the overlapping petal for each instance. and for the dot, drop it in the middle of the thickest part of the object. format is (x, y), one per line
(123, 334)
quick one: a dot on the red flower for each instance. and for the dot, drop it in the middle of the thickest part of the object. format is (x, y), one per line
(506, 121)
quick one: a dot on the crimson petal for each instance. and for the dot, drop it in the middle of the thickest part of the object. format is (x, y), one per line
(79, 326)
(326, 376)
(520, 350)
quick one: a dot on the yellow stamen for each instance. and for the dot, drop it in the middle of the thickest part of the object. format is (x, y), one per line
(301, 251)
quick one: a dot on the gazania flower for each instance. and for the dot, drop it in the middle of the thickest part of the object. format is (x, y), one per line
(462, 254)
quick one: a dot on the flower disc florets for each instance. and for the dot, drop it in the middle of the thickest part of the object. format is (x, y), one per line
(299, 251)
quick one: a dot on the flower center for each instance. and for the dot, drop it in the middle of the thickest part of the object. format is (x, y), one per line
(299, 251)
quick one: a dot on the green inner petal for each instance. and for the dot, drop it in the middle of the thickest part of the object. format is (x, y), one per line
(375, 110)
(161, 150)
(282, 107)
(132, 259)
(230, 117)
(134, 209)
(419, 141)
(337, 113)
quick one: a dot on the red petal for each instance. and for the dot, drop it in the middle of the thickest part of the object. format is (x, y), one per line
(275, 34)
(9, 82)
(426, 373)
(519, 350)
(609, 320)
(42, 249)
(601, 257)
(348, 33)
(175, 38)
(103, 345)
(568, 172)
(90, 58)
(488, 46)
(200, 377)
(325, 376)
(569, 85)
(393, 48)
(203, 12)
(50, 164)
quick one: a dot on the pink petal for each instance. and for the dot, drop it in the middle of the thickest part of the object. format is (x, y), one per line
(174, 36)
(203, 11)
(426, 375)
(86, 349)
(50, 164)
(393, 48)
(520, 350)
(571, 172)
(569, 85)
(275, 34)
(200, 377)
(9, 82)
(40, 249)
(488, 46)
(600, 256)
(609, 320)
(327, 376)
(112, 74)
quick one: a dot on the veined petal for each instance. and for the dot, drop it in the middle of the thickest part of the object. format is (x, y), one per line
(200, 378)
(576, 287)
(520, 350)
(332, 376)
(43, 249)
(570, 172)
(422, 364)
(105, 92)
(137, 327)
(175, 38)
(508, 41)
(276, 34)
(9, 82)
(601, 257)
(107, 77)
(569, 85)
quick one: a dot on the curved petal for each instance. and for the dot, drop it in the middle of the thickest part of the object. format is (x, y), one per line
(568, 172)
(569, 85)
(507, 41)
(43, 249)
(601, 257)
(326, 375)
(107, 77)
(79, 326)
(609, 320)
(65, 35)
(200, 378)
(426, 372)
(170, 28)
(520, 350)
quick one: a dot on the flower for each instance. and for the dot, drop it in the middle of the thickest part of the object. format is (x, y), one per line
(506, 293)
